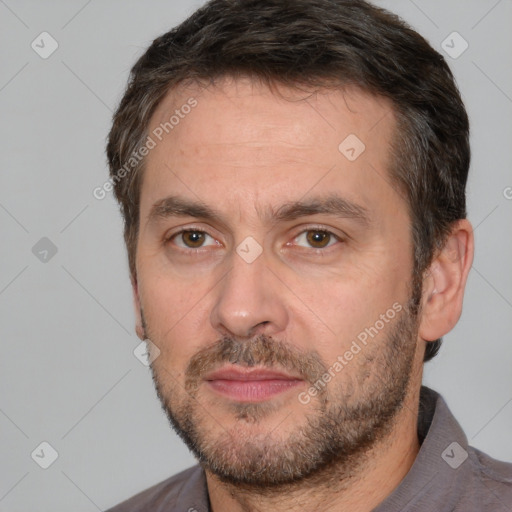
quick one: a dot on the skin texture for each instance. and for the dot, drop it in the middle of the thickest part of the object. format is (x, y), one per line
(246, 153)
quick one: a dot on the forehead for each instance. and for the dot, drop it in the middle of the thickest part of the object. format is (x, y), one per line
(233, 100)
(240, 136)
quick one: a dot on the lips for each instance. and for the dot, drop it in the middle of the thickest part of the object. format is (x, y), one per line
(250, 384)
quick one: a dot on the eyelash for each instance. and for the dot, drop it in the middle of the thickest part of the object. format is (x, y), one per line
(170, 238)
(336, 237)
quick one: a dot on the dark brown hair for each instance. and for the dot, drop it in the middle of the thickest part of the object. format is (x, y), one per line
(313, 43)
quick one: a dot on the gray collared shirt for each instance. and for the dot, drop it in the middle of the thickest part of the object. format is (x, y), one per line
(447, 475)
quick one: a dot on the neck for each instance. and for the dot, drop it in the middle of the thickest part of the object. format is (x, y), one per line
(378, 472)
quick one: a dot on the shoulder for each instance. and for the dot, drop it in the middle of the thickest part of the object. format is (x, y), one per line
(491, 483)
(187, 487)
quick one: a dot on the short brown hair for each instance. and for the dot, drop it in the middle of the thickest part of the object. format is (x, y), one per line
(313, 43)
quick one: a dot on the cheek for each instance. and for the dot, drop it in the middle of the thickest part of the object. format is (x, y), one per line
(176, 314)
(341, 307)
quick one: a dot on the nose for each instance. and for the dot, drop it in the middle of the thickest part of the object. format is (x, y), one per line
(249, 301)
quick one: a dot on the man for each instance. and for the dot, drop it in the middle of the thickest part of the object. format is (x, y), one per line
(292, 179)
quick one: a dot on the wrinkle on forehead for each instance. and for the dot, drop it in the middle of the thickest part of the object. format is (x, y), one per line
(244, 144)
(228, 91)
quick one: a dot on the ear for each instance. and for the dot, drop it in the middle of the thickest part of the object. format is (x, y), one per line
(445, 281)
(139, 328)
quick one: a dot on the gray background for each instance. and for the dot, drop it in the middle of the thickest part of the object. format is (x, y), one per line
(68, 375)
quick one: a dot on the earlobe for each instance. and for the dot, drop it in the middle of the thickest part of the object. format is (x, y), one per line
(445, 281)
(139, 328)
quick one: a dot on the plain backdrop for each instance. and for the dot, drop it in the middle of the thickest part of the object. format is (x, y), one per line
(68, 375)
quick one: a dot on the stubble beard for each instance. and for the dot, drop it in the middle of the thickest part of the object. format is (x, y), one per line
(340, 425)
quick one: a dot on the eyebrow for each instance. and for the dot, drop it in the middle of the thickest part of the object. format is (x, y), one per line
(174, 206)
(330, 205)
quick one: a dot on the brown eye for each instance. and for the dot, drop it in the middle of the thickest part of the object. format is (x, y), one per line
(193, 239)
(318, 239)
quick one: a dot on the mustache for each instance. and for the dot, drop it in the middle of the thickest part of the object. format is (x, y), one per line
(262, 350)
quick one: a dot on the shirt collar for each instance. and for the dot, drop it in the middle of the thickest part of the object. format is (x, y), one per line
(439, 463)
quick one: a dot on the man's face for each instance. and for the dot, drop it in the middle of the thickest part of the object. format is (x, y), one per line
(274, 266)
